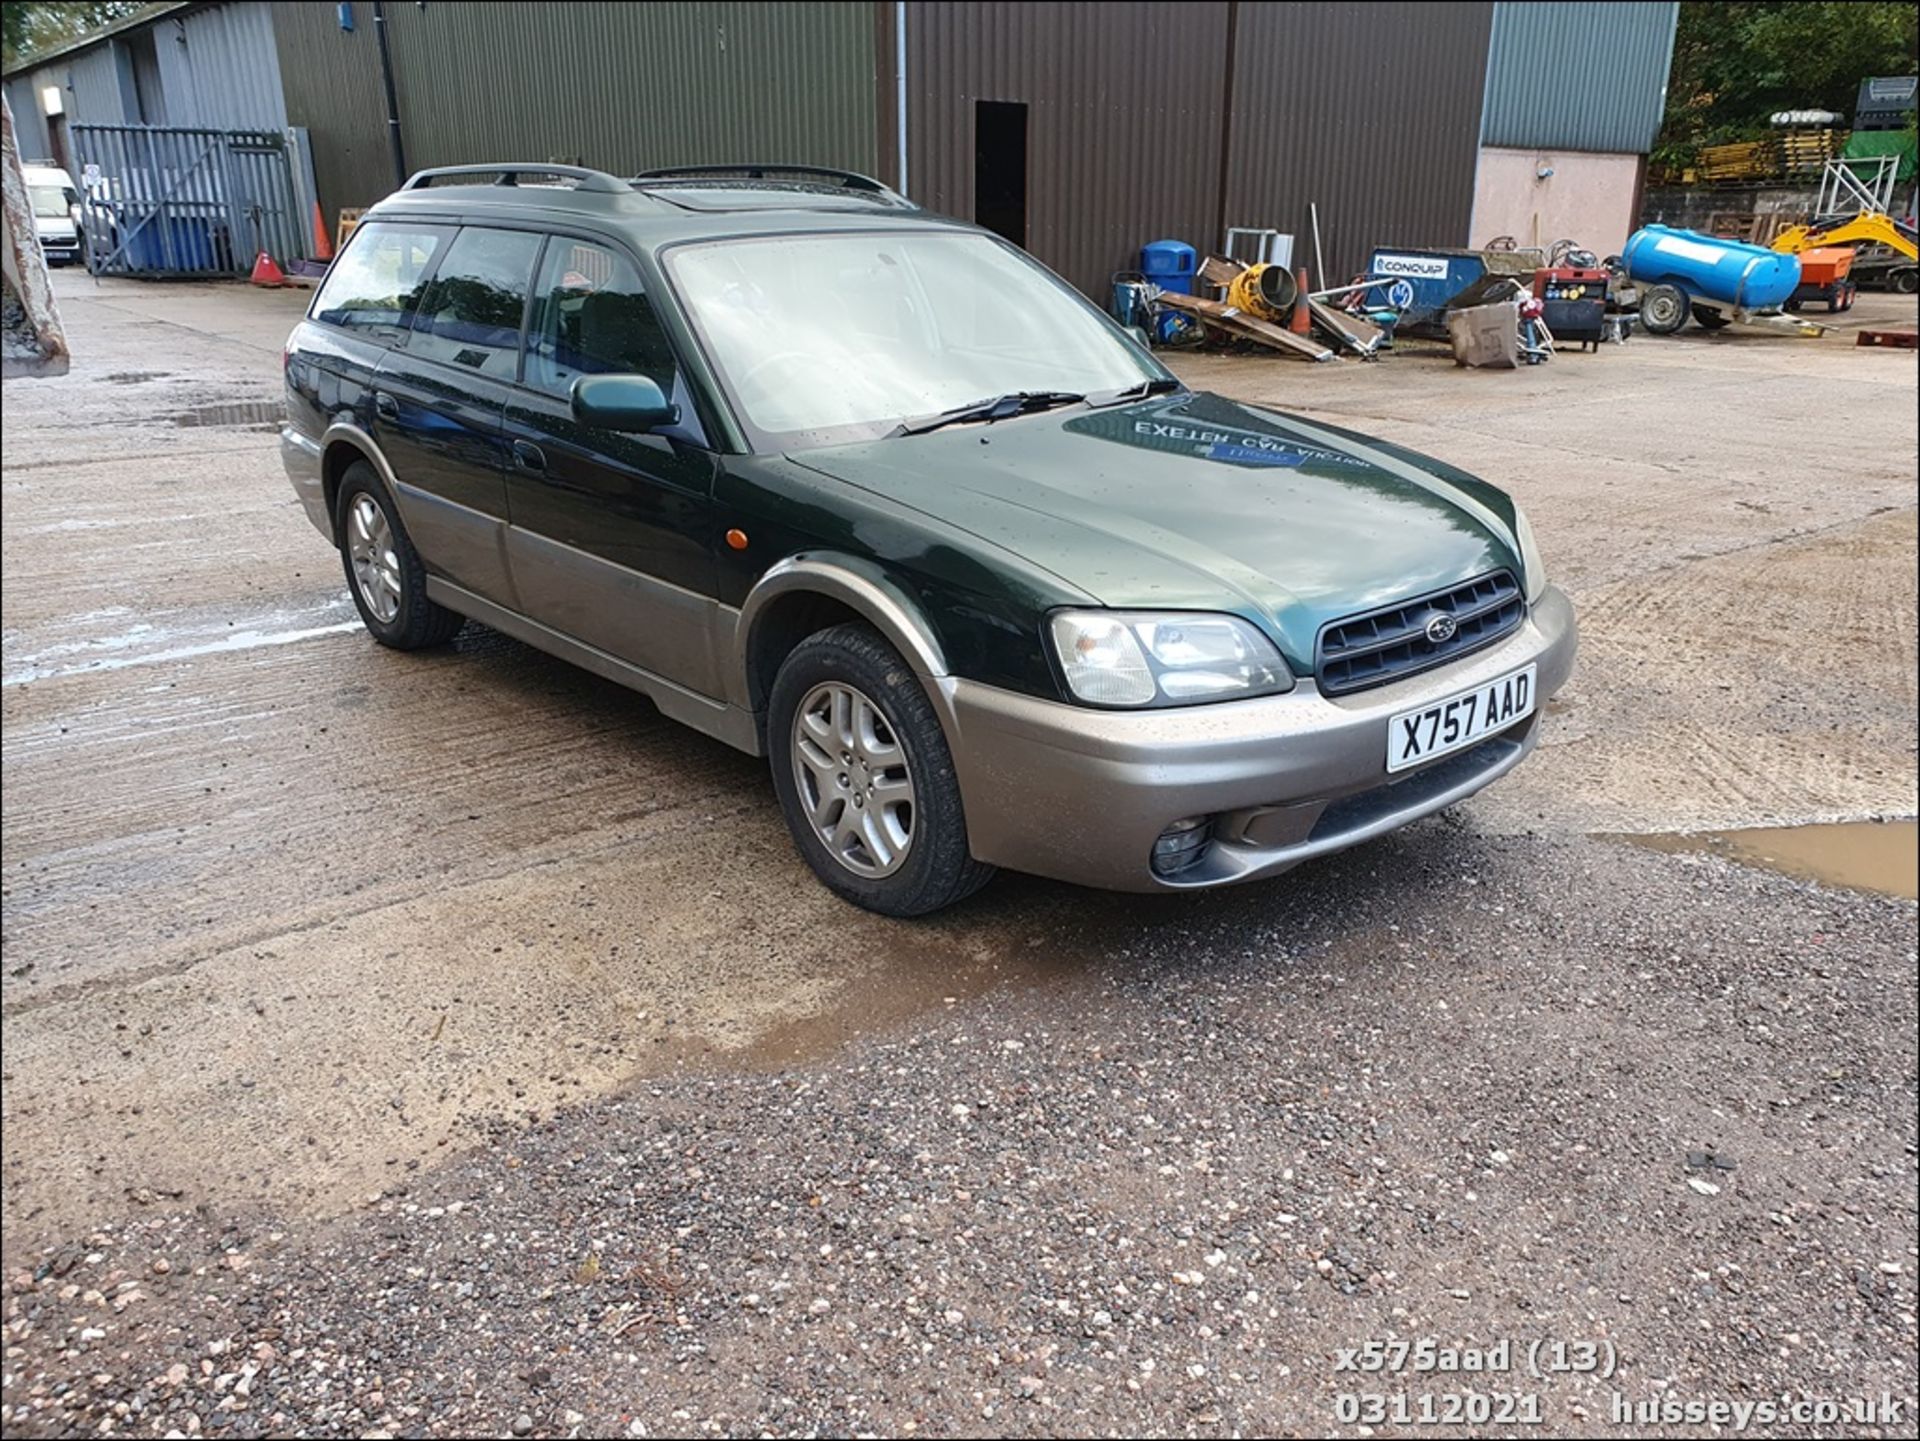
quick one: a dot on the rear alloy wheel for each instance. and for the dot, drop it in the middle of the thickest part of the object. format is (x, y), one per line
(1663, 309)
(864, 776)
(385, 574)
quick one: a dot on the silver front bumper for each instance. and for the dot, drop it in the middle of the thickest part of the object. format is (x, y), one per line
(1080, 795)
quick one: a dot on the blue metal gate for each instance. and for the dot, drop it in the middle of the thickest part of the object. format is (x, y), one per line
(172, 200)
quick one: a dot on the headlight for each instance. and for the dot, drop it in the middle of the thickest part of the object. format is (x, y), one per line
(1142, 658)
(1530, 562)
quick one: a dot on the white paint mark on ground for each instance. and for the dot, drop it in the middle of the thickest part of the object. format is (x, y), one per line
(237, 640)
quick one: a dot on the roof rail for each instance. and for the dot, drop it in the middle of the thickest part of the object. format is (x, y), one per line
(595, 181)
(845, 179)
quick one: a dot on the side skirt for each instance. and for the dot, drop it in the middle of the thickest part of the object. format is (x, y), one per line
(728, 723)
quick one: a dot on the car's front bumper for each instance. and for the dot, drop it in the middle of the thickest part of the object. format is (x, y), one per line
(301, 457)
(1081, 795)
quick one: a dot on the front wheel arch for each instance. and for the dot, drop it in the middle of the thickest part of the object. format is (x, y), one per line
(842, 588)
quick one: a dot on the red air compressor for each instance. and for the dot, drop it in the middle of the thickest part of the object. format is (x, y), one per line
(1575, 299)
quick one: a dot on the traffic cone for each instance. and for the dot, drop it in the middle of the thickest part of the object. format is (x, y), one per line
(322, 246)
(265, 272)
(1302, 321)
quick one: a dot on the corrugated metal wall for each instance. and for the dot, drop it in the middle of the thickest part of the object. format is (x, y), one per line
(1124, 120)
(99, 85)
(213, 66)
(1578, 76)
(221, 69)
(619, 86)
(1369, 111)
(29, 125)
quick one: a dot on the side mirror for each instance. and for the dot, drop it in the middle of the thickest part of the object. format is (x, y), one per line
(621, 402)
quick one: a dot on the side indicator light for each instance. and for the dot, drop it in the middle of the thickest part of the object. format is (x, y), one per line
(737, 539)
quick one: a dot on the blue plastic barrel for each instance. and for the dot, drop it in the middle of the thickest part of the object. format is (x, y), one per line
(1724, 272)
(1169, 264)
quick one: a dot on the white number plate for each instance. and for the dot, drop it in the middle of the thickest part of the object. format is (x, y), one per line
(1417, 736)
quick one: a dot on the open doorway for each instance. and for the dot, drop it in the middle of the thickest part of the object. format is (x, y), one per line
(1000, 168)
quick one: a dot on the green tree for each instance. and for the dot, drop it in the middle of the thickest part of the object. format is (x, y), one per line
(30, 26)
(1736, 62)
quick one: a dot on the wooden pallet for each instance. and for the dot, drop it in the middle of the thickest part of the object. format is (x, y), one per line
(1893, 339)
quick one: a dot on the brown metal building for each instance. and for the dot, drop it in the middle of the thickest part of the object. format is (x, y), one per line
(1150, 121)
(1083, 130)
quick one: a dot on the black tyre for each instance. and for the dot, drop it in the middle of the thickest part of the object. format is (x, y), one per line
(385, 575)
(1710, 319)
(1663, 309)
(865, 778)
(1904, 282)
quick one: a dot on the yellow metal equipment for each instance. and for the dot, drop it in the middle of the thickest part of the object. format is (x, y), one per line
(1867, 228)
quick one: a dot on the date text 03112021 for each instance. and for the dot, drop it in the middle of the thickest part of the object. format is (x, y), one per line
(1424, 1354)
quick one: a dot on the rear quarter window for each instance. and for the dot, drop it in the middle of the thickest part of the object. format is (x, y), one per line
(377, 282)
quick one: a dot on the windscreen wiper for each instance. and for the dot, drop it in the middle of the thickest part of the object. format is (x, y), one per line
(1160, 385)
(998, 407)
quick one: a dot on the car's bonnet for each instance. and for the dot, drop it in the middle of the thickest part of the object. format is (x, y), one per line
(1197, 502)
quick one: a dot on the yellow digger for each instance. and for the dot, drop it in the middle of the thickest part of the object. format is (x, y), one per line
(1867, 228)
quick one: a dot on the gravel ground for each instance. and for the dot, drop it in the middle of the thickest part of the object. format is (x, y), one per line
(1571, 1091)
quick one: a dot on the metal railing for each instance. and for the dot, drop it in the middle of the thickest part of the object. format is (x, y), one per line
(172, 200)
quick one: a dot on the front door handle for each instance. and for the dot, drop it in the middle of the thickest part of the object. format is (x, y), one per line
(385, 406)
(528, 456)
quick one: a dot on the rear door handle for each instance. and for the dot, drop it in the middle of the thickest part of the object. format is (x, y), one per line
(528, 456)
(385, 406)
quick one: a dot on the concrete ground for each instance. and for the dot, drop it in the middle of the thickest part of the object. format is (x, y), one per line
(307, 942)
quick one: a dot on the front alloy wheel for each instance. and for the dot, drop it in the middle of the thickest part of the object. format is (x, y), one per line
(854, 782)
(864, 776)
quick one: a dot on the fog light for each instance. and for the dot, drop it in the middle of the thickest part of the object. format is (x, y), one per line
(1182, 845)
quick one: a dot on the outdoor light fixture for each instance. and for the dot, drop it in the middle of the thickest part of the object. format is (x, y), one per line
(52, 101)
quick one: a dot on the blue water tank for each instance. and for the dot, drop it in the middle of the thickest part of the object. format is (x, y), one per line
(1169, 264)
(1725, 272)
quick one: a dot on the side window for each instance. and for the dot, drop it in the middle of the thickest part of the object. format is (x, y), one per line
(470, 315)
(375, 284)
(591, 316)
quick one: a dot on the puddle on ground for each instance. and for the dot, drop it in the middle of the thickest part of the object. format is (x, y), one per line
(245, 412)
(1878, 856)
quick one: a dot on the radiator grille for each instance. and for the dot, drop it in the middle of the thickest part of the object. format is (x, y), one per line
(1399, 640)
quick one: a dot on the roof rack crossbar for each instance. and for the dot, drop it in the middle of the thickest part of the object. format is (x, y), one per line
(596, 181)
(848, 179)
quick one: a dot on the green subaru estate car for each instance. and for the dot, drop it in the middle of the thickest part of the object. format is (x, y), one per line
(871, 493)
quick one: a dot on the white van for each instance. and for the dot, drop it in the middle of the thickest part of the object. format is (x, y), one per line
(56, 212)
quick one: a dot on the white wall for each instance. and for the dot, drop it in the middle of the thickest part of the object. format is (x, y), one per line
(1588, 198)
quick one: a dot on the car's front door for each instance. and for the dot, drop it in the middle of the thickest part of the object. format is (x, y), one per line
(612, 533)
(437, 404)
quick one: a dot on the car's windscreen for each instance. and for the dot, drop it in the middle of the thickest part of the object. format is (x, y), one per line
(51, 202)
(827, 338)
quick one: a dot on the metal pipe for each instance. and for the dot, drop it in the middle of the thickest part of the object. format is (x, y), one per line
(1365, 284)
(393, 103)
(900, 85)
(1319, 264)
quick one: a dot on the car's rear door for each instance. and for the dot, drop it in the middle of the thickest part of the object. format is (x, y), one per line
(611, 541)
(438, 401)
